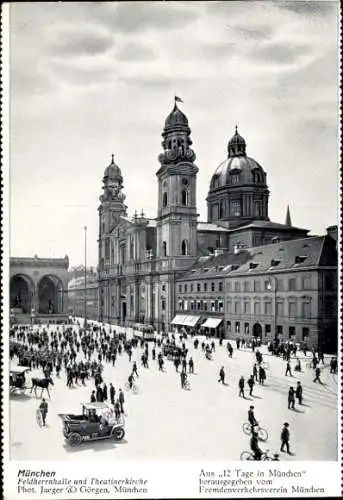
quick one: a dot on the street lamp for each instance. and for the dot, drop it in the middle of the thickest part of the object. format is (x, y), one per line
(85, 299)
(274, 288)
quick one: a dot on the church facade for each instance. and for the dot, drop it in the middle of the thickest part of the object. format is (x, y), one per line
(143, 260)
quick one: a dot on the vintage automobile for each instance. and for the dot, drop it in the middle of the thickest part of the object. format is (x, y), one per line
(97, 421)
(17, 378)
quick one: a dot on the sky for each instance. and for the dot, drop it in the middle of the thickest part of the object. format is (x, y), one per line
(88, 79)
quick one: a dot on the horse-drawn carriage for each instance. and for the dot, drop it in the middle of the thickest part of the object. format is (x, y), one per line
(18, 379)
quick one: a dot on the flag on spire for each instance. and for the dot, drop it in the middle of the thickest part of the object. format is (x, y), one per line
(178, 99)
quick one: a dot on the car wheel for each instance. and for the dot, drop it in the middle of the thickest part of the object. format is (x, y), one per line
(118, 433)
(74, 439)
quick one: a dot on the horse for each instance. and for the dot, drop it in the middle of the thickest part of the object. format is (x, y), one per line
(43, 383)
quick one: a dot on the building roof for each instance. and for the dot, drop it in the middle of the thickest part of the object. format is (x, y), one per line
(209, 226)
(296, 254)
(265, 224)
(287, 255)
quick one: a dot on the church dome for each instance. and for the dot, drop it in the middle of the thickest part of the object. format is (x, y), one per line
(175, 118)
(112, 171)
(238, 168)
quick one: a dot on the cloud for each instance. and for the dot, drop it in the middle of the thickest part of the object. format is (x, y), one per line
(258, 33)
(279, 52)
(309, 8)
(134, 52)
(79, 41)
(130, 17)
(82, 75)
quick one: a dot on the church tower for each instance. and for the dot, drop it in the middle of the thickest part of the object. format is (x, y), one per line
(177, 211)
(110, 210)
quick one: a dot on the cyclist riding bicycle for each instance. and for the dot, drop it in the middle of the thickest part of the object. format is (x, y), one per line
(251, 418)
(255, 447)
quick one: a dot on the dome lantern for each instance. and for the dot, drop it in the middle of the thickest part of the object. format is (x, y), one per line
(236, 145)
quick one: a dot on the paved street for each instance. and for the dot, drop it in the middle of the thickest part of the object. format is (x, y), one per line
(164, 422)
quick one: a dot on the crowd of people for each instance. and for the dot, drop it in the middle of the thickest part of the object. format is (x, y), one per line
(79, 355)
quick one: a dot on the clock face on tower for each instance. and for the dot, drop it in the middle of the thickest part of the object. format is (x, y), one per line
(185, 182)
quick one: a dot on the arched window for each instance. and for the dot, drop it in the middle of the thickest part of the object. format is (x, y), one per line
(184, 197)
(236, 208)
(184, 247)
(164, 199)
(164, 249)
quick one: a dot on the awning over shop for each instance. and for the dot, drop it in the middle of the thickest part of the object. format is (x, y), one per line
(179, 320)
(191, 320)
(212, 322)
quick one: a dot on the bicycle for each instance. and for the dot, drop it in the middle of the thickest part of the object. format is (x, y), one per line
(39, 417)
(187, 385)
(262, 434)
(249, 455)
(134, 388)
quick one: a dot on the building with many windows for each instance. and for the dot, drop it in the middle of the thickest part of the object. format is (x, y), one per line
(158, 270)
(285, 290)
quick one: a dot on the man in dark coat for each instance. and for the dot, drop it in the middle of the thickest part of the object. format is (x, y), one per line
(104, 392)
(317, 377)
(222, 375)
(112, 393)
(241, 387)
(251, 383)
(291, 398)
(285, 435)
(44, 410)
(299, 392)
(288, 369)
(121, 400)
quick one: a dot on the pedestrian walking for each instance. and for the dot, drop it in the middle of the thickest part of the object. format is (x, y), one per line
(222, 375)
(251, 383)
(299, 392)
(99, 397)
(134, 369)
(285, 435)
(44, 410)
(117, 409)
(241, 387)
(291, 398)
(104, 392)
(254, 371)
(317, 375)
(93, 397)
(121, 400)
(288, 369)
(112, 394)
(191, 365)
(262, 375)
(333, 365)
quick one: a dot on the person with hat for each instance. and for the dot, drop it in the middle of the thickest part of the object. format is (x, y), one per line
(255, 447)
(285, 435)
(251, 417)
